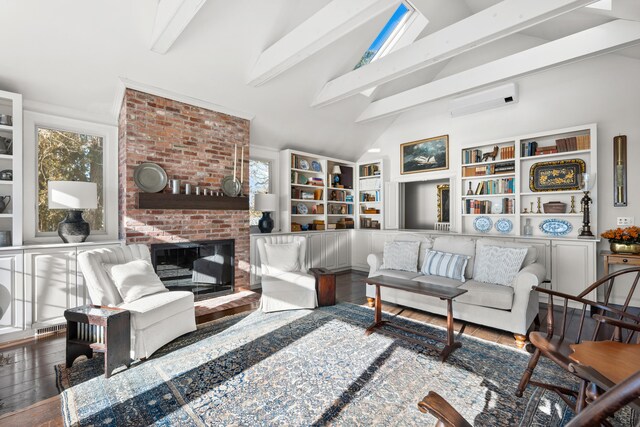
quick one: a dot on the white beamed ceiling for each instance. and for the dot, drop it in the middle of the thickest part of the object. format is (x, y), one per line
(72, 55)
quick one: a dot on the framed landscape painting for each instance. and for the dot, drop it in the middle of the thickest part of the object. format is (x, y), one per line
(425, 155)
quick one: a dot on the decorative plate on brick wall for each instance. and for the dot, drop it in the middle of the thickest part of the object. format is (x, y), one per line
(150, 177)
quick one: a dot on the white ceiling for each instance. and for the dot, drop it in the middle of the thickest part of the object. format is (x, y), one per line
(72, 53)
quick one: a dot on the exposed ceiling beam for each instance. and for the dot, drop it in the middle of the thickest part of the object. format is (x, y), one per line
(493, 23)
(598, 40)
(172, 17)
(329, 24)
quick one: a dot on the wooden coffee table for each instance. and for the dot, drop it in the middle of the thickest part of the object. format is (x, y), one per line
(442, 292)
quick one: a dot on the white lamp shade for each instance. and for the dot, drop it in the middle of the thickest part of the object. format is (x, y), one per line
(266, 202)
(336, 170)
(73, 195)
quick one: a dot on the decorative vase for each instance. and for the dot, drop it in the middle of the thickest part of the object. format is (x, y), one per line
(528, 228)
(266, 223)
(623, 248)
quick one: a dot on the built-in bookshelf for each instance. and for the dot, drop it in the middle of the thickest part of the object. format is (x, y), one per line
(11, 160)
(312, 198)
(496, 181)
(370, 195)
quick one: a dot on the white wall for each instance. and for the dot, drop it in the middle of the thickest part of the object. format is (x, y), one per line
(604, 90)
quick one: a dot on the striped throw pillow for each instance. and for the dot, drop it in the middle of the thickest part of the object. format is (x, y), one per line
(445, 264)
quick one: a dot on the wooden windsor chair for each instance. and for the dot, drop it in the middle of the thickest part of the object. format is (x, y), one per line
(556, 344)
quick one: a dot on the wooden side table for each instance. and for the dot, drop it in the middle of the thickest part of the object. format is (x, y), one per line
(619, 259)
(92, 328)
(325, 286)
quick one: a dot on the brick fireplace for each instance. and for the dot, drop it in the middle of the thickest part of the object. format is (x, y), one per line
(194, 145)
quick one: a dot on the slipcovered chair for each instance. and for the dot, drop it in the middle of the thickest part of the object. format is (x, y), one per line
(286, 285)
(155, 319)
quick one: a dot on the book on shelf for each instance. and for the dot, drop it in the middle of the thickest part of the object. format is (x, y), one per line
(552, 149)
(492, 169)
(483, 207)
(373, 196)
(507, 152)
(495, 186)
(369, 170)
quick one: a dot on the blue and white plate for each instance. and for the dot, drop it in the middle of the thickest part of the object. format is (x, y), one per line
(482, 224)
(556, 227)
(315, 166)
(302, 209)
(504, 225)
(303, 164)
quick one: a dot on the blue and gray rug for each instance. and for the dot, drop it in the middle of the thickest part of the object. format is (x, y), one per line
(308, 368)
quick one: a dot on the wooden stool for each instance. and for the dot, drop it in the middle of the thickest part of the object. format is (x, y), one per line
(325, 286)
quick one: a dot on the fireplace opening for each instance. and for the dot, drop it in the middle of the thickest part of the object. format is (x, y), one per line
(204, 267)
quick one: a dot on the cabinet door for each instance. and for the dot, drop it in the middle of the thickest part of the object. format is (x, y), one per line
(331, 250)
(361, 248)
(315, 249)
(51, 280)
(344, 249)
(572, 266)
(391, 205)
(12, 302)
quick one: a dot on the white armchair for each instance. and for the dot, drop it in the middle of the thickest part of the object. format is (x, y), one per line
(155, 319)
(286, 285)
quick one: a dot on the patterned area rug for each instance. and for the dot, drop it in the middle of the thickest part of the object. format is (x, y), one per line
(238, 299)
(308, 368)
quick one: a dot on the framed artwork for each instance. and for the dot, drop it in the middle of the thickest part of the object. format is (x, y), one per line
(557, 175)
(425, 155)
(443, 203)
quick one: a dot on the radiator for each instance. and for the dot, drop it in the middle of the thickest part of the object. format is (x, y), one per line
(91, 333)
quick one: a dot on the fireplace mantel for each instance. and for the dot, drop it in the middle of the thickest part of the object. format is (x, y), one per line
(191, 202)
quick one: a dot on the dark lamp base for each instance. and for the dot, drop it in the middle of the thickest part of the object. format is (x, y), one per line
(265, 224)
(74, 229)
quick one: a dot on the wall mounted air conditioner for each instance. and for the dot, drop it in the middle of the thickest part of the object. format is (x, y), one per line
(485, 100)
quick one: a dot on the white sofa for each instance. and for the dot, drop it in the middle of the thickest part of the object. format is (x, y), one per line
(286, 290)
(510, 308)
(156, 319)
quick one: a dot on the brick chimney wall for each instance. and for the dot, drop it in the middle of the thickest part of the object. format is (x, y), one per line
(194, 145)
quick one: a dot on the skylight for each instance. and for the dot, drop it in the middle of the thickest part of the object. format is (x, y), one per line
(389, 34)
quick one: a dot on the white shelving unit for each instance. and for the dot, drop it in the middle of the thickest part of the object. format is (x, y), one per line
(11, 217)
(522, 196)
(370, 195)
(298, 195)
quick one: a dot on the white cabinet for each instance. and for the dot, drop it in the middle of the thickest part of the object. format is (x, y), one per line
(51, 279)
(330, 250)
(344, 249)
(391, 205)
(12, 292)
(573, 267)
(360, 249)
(544, 252)
(315, 249)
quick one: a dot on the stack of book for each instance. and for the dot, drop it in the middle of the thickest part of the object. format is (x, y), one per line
(580, 142)
(471, 156)
(551, 149)
(316, 181)
(369, 170)
(482, 207)
(344, 223)
(318, 224)
(529, 149)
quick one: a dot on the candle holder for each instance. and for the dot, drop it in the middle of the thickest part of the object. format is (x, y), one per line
(586, 184)
(539, 211)
(573, 205)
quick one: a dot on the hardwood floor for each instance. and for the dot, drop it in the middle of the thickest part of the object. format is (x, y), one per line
(28, 394)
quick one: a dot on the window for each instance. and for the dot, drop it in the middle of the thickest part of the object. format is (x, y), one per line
(68, 156)
(259, 182)
(389, 35)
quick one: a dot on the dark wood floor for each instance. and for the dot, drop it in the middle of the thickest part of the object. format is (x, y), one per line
(28, 394)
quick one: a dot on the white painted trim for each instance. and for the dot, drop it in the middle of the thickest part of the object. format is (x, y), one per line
(495, 22)
(595, 41)
(186, 99)
(61, 111)
(110, 170)
(172, 17)
(329, 24)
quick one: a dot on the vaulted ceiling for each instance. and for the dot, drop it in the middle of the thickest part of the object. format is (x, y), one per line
(74, 55)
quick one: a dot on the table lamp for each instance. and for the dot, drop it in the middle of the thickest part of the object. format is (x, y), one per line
(74, 196)
(266, 203)
(336, 171)
(587, 181)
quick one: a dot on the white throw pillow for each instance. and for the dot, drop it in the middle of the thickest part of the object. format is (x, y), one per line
(135, 279)
(445, 264)
(400, 256)
(283, 257)
(499, 265)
